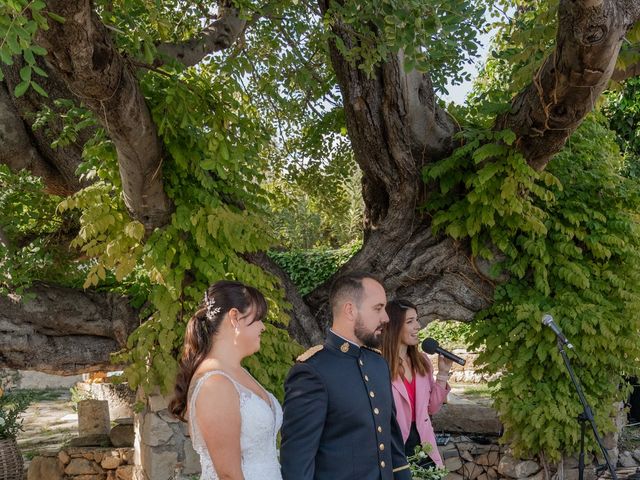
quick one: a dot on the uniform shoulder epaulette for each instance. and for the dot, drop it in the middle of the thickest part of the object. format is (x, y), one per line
(309, 353)
(377, 350)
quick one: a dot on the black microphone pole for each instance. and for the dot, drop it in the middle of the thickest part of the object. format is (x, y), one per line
(583, 418)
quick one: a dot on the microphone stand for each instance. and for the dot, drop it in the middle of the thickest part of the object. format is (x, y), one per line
(583, 418)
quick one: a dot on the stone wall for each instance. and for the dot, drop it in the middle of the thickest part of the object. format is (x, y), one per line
(83, 464)
(163, 449)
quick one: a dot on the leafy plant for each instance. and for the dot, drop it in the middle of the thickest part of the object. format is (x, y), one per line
(418, 472)
(12, 404)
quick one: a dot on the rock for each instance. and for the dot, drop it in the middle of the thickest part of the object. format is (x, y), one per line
(452, 464)
(636, 454)
(127, 455)
(167, 417)
(93, 417)
(471, 471)
(159, 465)
(449, 454)
(122, 435)
(82, 466)
(89, 456)
(124, 421)
(97, 456)
(514, 468)
(94, 440)
(191, 464)
(125, 472)
(454, 476)
(45, 467)
(64, 457)
(111, 463)
(465, 455)
(626, 460)
(492, 473)
(155, 431)
(467, 418)
(483, 459)
(572, 474)
(90, 477)
(537, 476)
(483, 477)
(157, 403)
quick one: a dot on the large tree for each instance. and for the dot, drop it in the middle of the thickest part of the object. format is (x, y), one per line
(160, 121)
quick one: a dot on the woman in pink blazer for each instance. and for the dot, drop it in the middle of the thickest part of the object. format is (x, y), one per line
(416, 393)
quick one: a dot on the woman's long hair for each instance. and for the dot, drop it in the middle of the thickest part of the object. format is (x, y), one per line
(202, 328)
(397, 311)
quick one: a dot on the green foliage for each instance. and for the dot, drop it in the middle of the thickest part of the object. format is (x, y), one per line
(568, 239)
(12, 404)
(623, 111)
(35, 234)
(419, 472)
(310, 268)
(19, 22)
(449, 334)
(435, 36)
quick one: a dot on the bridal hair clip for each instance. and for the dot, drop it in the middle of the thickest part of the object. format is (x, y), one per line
(212, 310)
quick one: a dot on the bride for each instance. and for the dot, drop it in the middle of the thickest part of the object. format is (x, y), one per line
(233, 419)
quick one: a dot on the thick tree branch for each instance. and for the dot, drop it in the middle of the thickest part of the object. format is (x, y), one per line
(302, 324)
(219, 35)
(17, 150)
(82, 52)
(566, 87)
(61, 162)
(63, 331)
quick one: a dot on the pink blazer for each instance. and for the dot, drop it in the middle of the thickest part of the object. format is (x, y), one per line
(429, 398)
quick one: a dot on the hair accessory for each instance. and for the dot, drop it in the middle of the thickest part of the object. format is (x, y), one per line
(212, 310)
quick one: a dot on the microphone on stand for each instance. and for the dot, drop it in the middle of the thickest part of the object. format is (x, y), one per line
(430, 346)
(547, 321)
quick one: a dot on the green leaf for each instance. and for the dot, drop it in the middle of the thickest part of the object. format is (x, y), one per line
(20, 89)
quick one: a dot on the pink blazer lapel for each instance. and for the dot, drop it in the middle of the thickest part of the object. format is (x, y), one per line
(423, 390)
(398, 385)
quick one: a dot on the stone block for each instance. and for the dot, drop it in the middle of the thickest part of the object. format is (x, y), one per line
(45, 467)
(449, 454)
(90, 477)
(159, 463)
(465, 455)
(155, 431)
(125, 472)
(157, 402)
(191, 464)
(471, 471)
(93, 417)
(111, 463)
(492, 473)
(452, 464)
(636, 454)
(63, 457)
(626, 460)
(93, 440)
(454, 476)
(122, 436)
(82, 466)
(465, 418)
(515, 468)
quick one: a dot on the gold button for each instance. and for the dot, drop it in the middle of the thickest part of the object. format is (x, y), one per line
(382, 464)
(379, 429)
(376, 411)
(366, 377)
(361, 362)
(371, 394)
(344, 348)
(381, 447)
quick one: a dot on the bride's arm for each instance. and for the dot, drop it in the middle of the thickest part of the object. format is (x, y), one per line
(218, 417)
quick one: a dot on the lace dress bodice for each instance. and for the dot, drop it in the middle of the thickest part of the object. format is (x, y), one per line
(260, 423)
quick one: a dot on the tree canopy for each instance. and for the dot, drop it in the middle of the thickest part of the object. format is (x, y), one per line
(151, 148)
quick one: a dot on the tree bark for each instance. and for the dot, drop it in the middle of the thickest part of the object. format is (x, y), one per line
(63, 331)
(571, 79)
(81, 51)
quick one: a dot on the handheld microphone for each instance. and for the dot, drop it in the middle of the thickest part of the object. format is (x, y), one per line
(431, 346)
(547, 321)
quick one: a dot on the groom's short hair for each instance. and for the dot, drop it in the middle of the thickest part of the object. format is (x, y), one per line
(348, 287)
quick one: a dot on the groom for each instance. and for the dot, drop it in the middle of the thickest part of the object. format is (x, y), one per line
(339, 418)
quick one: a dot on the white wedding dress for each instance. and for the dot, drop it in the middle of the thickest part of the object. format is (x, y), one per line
(260, 423)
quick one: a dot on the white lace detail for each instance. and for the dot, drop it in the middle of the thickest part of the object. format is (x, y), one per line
(259, 427)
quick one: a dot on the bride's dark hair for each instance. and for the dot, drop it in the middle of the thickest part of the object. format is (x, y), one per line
(201, 329)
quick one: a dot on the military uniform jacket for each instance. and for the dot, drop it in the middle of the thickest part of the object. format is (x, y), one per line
(339, 417)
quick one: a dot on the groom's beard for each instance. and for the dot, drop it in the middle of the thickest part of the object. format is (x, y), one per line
(367, 338)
